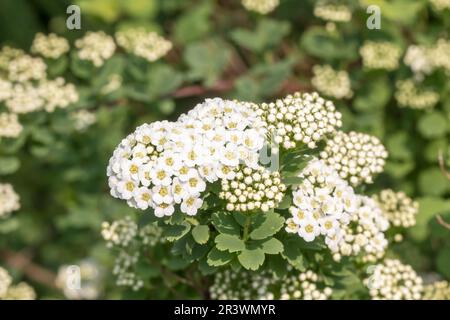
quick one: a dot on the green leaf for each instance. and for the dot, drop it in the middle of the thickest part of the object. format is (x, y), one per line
(320, 43)
(201, 234)
(225, 223)
(194, 24)
(207, 60)
(292, 180)
(251, 259)
(267, 34)
(286, 202)
(218, 258)
(229, 243)
(9, 165)
(432, 182)
(162, 80)
(433, 125)
(146, 218)
(175, 232)
(398, 11)
(269, 225)
(271, 246)
(443, 262)
(429, 207)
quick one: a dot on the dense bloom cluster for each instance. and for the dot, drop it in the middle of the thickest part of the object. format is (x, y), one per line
(5, 282)
(49, 46)
(261, 6)
(252, 189)
(425, 59)
(21, 291)
(300, 118)
(87, 286)
(96, 47)
(332, 83)
(83, 119)
(441, 5)
(356, 156)
(332, 12)
(304, 286)
(163, 164)
(119, 232)
(124, 270)
(398, 208)
(10, 126)
(9, 200)
(393, 280)
(245, 285)
(380, 55)
(142, 43)
(438, 290)
(364, 235)
(410, 95)
(323, 202)
(24, 85)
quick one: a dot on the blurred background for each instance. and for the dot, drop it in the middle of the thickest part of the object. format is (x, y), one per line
(219, 48)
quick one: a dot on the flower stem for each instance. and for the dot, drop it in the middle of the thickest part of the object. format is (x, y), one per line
(247, 227)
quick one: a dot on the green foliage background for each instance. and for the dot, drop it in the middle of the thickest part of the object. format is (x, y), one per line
(220, 50)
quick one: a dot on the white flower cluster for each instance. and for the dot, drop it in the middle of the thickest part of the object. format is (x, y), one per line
(441, 5)
(120, 232)
(398, 208)
(393, 280)
(10, 126)
(323, 202)
(24, 85)
(410, 95)
(124, 270)
(21, 291)
(300, 118)
(164, 163)
(90, 281)
(364, 234)
(26, 68)
(151, 235)
(49, 46)
(261, 6)
(142, 43)
(96, 47)
(438, 290)
(83, 119)
(9, 200)
(246, 285)
(252, 189)
(425, 59)
(380, 55)
(5, 282)
(332, 83)
(356, 156)
(332, 12)
(304, 286)
(241, 285)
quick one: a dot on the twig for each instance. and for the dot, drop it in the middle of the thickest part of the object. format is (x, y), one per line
(197, 90)
(442, 165)
(22, 261)
(442, 222)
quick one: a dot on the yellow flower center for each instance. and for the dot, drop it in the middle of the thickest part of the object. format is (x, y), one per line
(130, 186)
(193, 182)
(134, 168)
(309, 228)
(146, 196)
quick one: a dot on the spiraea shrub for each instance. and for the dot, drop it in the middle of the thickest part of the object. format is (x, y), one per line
(240, 149)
